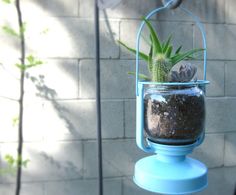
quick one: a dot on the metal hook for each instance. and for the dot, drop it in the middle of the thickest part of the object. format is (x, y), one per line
(173, 5)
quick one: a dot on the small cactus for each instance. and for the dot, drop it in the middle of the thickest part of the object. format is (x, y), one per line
(161, 59)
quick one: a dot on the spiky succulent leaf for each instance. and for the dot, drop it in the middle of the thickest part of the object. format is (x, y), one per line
(161, 58)
(141, 76)
(157, 48)
(179, 57)
(141, 54)
(168, 51)
(178, 50)
(166, 45)
(150, 59)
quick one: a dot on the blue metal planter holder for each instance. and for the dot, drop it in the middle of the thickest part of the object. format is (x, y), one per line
(169, 171)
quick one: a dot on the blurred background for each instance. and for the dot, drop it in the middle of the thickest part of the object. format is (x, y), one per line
(60, 107)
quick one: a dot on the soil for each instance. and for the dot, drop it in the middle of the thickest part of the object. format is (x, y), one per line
(175, 119)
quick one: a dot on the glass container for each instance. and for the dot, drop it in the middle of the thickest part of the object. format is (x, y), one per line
(174, 115)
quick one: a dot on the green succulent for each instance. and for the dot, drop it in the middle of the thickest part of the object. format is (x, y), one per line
(161, 57)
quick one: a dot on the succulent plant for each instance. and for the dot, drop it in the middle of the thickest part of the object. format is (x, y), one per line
(161, 59)
(185, 73)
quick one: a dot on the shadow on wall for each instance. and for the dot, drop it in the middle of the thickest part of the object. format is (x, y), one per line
(75, 40)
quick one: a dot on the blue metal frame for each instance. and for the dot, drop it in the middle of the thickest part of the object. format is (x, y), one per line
(200, 26)
(145, 146)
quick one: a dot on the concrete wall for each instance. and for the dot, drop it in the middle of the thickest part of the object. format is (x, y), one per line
(60, 110)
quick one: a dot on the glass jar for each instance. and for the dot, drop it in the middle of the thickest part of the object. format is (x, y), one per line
(174, 115)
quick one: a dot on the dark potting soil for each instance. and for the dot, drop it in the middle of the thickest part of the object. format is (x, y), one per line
(174, 119)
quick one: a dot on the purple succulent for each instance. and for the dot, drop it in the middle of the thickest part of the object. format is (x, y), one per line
(185, 73)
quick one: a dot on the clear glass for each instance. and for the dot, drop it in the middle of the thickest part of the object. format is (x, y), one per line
(174, 115)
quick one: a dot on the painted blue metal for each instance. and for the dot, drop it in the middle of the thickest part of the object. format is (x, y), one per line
(140, 123)
(192, 83)
(169, 171)
(199, 25)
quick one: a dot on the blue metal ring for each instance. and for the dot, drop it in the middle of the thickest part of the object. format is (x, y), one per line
(192, 83)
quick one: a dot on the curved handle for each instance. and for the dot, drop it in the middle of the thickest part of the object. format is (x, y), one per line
(198, 23)
(200, 139)
(139, 122)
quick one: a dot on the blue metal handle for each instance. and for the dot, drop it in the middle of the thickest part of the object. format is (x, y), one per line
(198, 23)
(140, 122)
(140, 85)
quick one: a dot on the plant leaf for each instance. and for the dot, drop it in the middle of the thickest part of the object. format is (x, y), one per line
(142, 55)
(140, 76)
(32, 61)
(178, 50)
(157, 48)
(25, 163)
(15, 121)
(10, 160)
(7, 1)
(10, 31)
(166, 45)
(168, 51)
(36, 63)
(179, 57)
(21, 66)
(150, 59)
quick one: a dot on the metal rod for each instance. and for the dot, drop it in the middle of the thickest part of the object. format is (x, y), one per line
(174, 3)
(98, 98)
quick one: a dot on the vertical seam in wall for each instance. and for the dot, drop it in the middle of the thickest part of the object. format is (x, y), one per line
(44, 189)
(83, 160)
(78, 8)
(225, 63)
(224, 151)
(124, 116)
(225, 11)
(119, 36)
(79, 77)
(122, 186)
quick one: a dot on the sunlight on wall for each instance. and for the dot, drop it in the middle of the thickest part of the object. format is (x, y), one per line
(8, 47)
(47, 120)
(8, 112)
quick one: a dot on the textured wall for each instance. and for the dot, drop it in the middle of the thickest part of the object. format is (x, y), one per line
(60, 110)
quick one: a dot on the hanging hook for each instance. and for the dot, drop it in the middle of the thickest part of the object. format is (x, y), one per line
(173, 4)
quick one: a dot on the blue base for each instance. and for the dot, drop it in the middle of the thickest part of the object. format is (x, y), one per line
(170, 172)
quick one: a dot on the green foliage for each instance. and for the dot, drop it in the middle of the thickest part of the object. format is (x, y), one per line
(45, 31)
(10, 31)
(15, 121)
(31, 61)
(7, 1)
(141, 76)
(12, 164)
(142, 55)
(161, 57)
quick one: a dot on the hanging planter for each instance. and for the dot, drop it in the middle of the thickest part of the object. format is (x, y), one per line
(174, 110)
(170, 113)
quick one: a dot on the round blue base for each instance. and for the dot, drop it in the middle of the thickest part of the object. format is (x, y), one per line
(178, 176)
